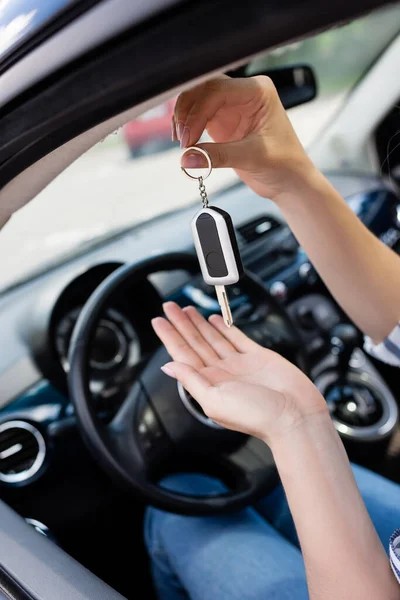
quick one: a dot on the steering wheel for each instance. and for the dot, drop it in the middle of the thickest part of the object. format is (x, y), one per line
(159, 428)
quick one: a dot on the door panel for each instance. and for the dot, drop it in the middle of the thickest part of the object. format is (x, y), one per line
(41, 570)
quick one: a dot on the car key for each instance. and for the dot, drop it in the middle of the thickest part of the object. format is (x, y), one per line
(218, 253)
(216, 246)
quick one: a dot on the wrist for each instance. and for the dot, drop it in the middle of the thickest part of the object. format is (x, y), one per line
(303, 181)
(302, 427)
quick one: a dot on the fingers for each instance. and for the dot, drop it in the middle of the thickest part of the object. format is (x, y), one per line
(190, 333)
(173, 130)
(190, 339)
(195, 108)
(217, 375)
(175, 344)
(196, 384)
(201, 108)
(211, 335)
(229, 154)
(239, 340)
(187, 100)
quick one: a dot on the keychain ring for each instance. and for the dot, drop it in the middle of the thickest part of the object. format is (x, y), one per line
(207, 157)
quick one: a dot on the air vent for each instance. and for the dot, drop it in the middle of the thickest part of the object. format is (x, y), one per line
(256, 229)
(22, 451)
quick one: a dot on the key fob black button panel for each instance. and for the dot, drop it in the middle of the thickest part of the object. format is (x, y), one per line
(211, 245)
(216, 247)
(216, 262)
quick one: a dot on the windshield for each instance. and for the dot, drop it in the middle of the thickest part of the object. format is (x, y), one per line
(134, 175)
(21, 18)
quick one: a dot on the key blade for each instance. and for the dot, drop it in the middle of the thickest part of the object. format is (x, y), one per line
(224, 304)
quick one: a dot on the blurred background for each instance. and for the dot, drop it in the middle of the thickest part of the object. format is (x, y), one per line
(134, 174)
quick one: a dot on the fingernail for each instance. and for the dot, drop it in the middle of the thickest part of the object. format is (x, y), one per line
(168, 371)
(193, 161)
(185, 137)
(180, 128)
(156, 321)
(168, 303)
(173, 128)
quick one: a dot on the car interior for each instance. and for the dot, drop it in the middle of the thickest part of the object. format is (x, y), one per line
(100, 237)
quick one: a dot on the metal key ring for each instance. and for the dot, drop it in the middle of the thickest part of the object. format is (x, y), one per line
(207, 157)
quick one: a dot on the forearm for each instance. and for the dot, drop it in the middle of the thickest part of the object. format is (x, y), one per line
(360, 271)
(342, 552)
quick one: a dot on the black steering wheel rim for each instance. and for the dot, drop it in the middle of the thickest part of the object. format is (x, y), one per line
(115, 446)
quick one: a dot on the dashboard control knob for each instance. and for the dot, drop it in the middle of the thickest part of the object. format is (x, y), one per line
(306, 318)
(307, 273)
(344, 338)
(279, 291)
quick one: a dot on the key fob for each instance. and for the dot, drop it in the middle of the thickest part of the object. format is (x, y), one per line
(216, 246)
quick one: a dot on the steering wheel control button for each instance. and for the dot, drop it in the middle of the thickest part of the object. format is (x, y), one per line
(305, 317)
(150, 433)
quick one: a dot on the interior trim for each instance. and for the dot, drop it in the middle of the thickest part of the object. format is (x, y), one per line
(33, 37)
(43, 569)
(17, 378)
(11, 588)
(97, 25)
(108, 85)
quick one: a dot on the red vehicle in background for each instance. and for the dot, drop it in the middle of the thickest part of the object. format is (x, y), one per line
(151, 132)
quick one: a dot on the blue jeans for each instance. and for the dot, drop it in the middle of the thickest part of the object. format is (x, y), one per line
(252, 554)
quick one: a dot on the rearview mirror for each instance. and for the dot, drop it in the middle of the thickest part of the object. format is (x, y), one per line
(295, 84)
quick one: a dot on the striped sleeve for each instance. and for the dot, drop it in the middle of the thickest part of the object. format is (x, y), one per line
(387, 351)
(394, 552)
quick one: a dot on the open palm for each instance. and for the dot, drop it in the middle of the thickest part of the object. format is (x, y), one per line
(238, 383)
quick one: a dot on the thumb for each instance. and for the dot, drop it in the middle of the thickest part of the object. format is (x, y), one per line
(230, 154)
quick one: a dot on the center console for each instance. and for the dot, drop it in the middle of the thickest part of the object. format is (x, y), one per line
(361, 404)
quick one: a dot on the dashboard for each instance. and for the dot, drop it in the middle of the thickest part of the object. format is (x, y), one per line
(37, 318)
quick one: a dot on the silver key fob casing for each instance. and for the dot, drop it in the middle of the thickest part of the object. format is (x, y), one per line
(216, 246)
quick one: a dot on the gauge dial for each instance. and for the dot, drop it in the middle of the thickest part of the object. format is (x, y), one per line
(115, 343)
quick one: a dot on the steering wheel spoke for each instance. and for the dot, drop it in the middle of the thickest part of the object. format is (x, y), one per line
(251, 467)
(137, 432)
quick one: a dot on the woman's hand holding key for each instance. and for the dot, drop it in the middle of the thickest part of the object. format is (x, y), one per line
(251, 131)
